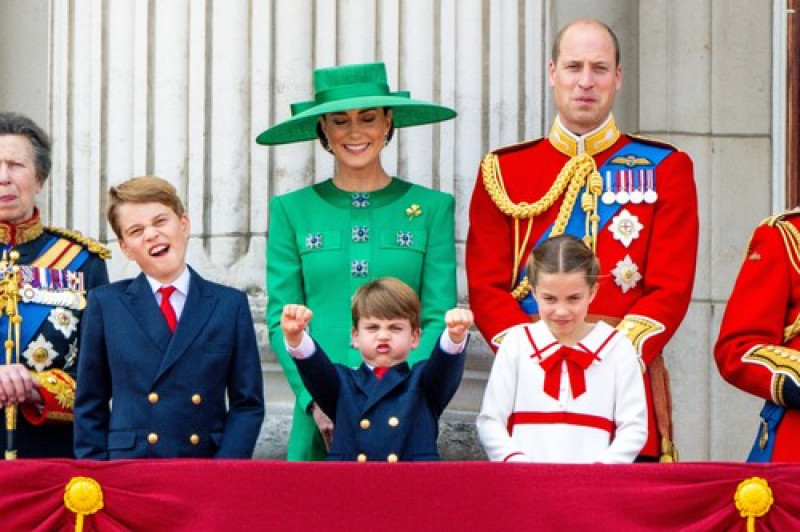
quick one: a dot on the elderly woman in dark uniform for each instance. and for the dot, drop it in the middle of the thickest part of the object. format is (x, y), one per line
(56, 269)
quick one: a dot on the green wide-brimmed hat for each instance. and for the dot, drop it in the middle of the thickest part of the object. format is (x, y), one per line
(342, 88)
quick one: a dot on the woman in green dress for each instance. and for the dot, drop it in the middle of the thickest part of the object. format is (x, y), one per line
(327, 239)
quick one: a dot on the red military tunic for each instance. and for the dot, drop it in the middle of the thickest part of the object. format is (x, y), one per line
(647, 249)
(758, 348)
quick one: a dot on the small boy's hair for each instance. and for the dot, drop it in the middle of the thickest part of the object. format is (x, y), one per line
(144, 189)
(563, 254)
(387, 299)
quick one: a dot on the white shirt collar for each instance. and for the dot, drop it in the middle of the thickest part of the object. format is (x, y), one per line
(181, 284)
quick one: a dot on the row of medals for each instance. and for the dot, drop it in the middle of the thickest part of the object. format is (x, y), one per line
(633, 186)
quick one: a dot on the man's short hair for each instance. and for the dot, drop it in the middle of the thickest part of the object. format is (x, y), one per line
(560, 35)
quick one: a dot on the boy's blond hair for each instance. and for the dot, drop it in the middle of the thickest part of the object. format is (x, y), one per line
(144, 189)
(387, 299)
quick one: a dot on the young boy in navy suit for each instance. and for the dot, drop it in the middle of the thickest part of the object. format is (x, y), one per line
(169, 361)
(384, 410)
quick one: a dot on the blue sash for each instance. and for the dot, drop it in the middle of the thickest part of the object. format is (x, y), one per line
(771, 416)
(577, 220)
(34, 314)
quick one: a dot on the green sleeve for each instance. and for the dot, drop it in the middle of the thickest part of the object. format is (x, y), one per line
(438, 292)
(284, 285)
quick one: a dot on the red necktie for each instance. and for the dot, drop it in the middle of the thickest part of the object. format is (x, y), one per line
(166, 307)
(577, 361)
(380, 372)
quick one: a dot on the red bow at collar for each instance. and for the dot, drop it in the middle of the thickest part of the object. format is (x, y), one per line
(577, 361)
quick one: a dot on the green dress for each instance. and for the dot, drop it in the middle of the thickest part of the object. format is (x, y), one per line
(324, 243)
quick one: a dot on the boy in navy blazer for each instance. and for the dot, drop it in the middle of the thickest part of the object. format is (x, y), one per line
(384, 410)
(169, 366)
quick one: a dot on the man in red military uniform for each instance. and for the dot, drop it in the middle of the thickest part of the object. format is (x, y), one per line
(633, 200)
(758, 349)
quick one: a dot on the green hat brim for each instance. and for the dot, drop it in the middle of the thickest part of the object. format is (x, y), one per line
(406, 112)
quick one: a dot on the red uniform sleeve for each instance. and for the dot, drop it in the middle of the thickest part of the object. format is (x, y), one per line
(57, 389)
(764, 300)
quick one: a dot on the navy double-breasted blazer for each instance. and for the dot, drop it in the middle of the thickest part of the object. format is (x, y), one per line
(392, 418)
(145, 392)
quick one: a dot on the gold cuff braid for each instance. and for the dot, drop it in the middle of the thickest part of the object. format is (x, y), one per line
(58, 383)
(638, 329)
(777, 358)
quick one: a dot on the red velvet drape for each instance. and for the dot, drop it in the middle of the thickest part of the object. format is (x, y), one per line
(178, 495)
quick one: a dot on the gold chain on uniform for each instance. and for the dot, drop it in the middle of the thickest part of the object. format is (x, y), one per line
(572, 177)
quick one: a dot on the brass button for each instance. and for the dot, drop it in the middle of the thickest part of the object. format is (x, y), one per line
(361, 457)
(153, 398)
(391, 458)
(393, 421)
(195, 439)
(152, 438)
(196, 399)
(364, 424)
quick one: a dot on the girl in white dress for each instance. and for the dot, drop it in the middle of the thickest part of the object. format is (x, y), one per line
(563, 389)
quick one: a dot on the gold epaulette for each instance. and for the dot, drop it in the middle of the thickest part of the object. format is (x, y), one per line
(518, 146)
(90, 244)
(652, 141)
(772, 220)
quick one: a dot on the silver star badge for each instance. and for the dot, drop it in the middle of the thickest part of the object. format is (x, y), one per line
(625, 227)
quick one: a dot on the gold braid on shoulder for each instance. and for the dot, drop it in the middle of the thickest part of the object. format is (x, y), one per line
(791, 239)
(89, 243)
(572, 177)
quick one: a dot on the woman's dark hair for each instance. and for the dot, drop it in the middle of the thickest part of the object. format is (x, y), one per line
(323, 140)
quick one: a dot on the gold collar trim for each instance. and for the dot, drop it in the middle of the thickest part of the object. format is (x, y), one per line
(23, 232)
(592, 143)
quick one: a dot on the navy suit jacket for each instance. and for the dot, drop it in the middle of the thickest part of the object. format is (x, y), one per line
(168, 391)
(392, 418)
